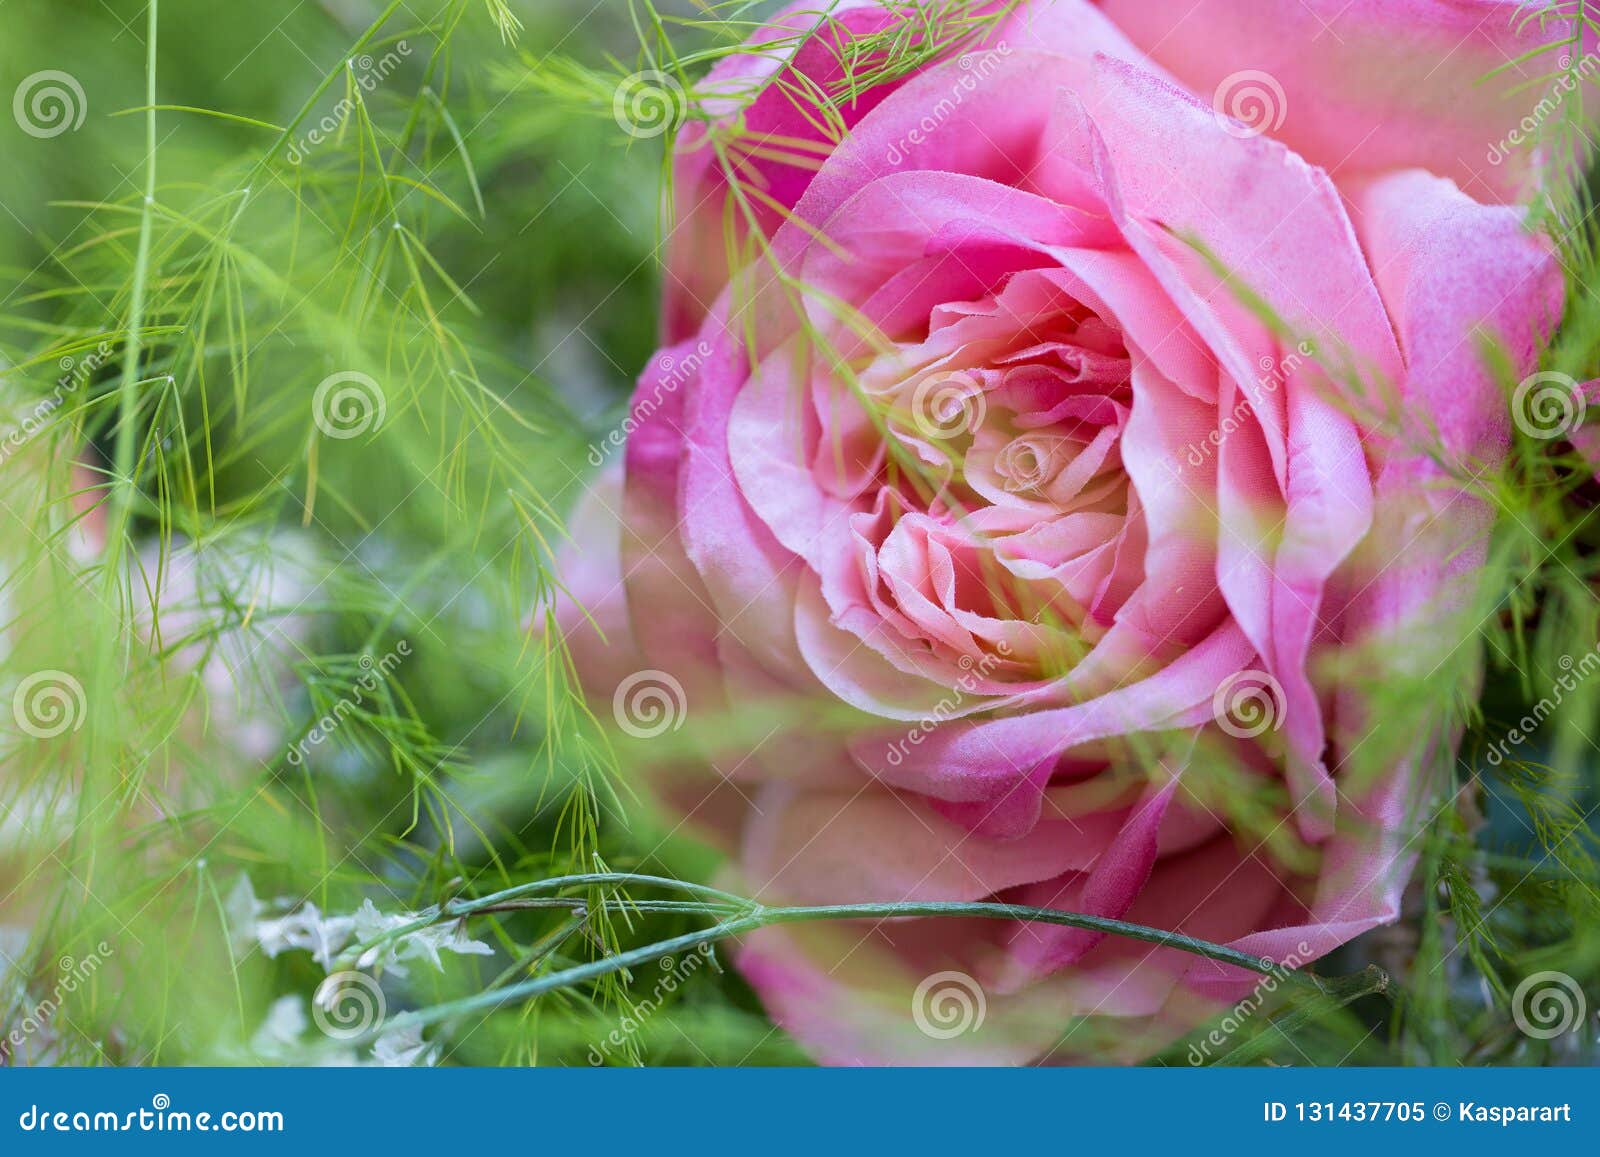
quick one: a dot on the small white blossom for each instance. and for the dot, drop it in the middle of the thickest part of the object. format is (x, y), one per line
(305, 927)
(308, 929)
(325, 936)
(405, 1048)
(421, 944)
(281, 1038)
(280, 1033)
(242, 911)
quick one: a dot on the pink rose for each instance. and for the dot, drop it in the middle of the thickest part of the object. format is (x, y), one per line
(1071, 465)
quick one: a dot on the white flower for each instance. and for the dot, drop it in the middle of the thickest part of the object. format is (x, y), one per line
(280, 1033)
(307, 929)
(281, 1038)
(242, 911)
(423, 943)
(304, 928)
(405, 1048)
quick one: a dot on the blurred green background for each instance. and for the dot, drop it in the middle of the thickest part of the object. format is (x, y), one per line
(473, 234)
(486, 255)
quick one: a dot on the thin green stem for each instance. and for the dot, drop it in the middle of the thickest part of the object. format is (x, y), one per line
(566, 978)
(589, 879)
(121, 486)
(574, 904)
(985, 911)
(123, 483)
(509, 899)
(750, 916)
